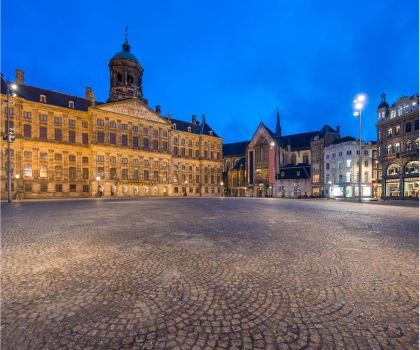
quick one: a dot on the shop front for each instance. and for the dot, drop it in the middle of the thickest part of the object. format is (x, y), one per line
(315, 191)
(392, 187)
(411, 187)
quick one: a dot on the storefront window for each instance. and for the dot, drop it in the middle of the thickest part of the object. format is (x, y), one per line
(315, 191)
(393, 188)
(349, 192)
(337, 191)
(411, 187)
(412, 167)
(365, 191)
(393, 169)
(297, 189)
(356, 191)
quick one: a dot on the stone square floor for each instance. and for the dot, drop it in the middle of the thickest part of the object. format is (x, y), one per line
(209, 273)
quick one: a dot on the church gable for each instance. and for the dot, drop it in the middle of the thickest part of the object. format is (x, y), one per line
(133, 108)
(261, 137)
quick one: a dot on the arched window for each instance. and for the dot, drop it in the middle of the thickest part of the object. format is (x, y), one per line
(389, 149)
(416, 144)
(393, 169)
(227, 165)
(412, 167)
(397, 147)
(306, 158)
(294, 159)
(408, 145)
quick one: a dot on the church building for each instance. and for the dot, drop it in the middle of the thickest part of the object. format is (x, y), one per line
(71, 146)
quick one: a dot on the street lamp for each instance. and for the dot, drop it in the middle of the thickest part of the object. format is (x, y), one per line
(185, 193)
(359, 105)
(331, 188)
(97, 179)
(9, 139)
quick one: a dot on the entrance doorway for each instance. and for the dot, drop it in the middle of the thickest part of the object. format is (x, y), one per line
(259, 192)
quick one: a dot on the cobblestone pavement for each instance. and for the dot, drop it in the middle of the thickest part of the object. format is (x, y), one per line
(220, 273)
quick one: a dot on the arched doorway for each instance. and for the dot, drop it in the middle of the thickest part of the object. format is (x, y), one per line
(259, 191)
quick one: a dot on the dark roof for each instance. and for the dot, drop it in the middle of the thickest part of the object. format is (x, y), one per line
(291, 172)
(383, 104)
(302, 140)
(240, 163)
(343, 139)
(54, 98)
(373, 142)
(201, 129)
(237, 148)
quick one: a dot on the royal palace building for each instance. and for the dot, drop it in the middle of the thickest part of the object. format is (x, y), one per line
(70, 146)
(398, 147)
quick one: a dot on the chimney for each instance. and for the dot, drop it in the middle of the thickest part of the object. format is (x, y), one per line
(158, 109)
(19, 76)
(338, 129)
(88, 92)
(194, 119)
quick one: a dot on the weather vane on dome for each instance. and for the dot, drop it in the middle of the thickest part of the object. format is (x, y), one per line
(126, 33)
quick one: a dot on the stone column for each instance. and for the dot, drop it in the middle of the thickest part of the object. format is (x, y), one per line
(118, 140)
(51, 169)
(79, 131)
(35, 163)
(65, 165)
(79, 175)
(130, 134)
(106, 132)
(35, 124)
(65, 136)
(50, 130)
(107, 174)
(119, 166)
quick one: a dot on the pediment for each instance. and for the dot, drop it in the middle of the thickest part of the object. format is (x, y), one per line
(133, 108)
(261, 137)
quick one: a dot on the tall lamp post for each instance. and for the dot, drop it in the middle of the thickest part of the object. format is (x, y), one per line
(185, 193)
(223, 189)
(359, 105)
(97, 179)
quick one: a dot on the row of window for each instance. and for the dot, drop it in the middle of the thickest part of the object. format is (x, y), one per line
(411, 167)
(348, 153)
(397, 130)
(44, 187)
(349, 177)
(349, 164)
(396, 148)
(400, 110)
(197, 190)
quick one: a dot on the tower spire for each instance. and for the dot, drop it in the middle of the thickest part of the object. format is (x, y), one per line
(278, 127)
(126, 47)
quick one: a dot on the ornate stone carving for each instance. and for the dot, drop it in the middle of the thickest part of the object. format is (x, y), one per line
(134, 110)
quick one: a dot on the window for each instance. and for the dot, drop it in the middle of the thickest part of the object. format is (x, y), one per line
(155, 144)
(416, 124)
(164, 165)
(57, 134)
(146, 175)
(58, 156)
(340, 154)
(85, 188)
(416, 143)
(85, 173)
(136, 174)
(189, 129)
(112, 125)
(113, 173)
(173, 126)
(27, 130)
(408, 145)
(72, 158)
(124, 174)
(412, 167)
(135, 141)
(135, 161)
(389, 149)
(84, 125)
(218, 156)
(84, 138)
(27, 154)
(101, 136)
(366, 176)
(58, 171)
(72, 172)
(146, 143)
(206, 190)
(58, 188)
(348, 163)
(124, 140)
(196, 154)
(393, 169)
(348, 153)
(28, 169)
(183, 152)
(27, 115)
(72, 122)
(28, 187)
(10, 126)
(43, 171)
(42, 156)
(175, 177)
(146, 162)
(298, 173)
(44, 187)
(112, 159)
(327, 166)
(100, 158)
(42, 118)
(145, 131)
(101, 173)
(333, 155)
(100, 122)
(124, 160)
(408, 127)
(340, 177)
(397, 147)
(205, 154)
(340, 164)
(379, 135)
(366, 153)
(366, 163)
(348, 177)
(175, 189)
(10, 112)
(72, 188)
(315, 178)
(164, 146)
(397, 130)
(190, 152)
(124, 126)
(175, 139)
(205, 179)
(165, 134)
(135, 128)
(155, 132)
(85, 159)
(155, 163)
(43, 133)
(197, 178)
(211, 155)
(183, 141)
(175, 151)
(72, 136)
(389, 132)
(156, 176)
(112, 138)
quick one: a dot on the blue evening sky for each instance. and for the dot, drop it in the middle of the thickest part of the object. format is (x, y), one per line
(229, 60)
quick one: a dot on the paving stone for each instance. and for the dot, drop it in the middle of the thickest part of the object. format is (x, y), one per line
(209, 273)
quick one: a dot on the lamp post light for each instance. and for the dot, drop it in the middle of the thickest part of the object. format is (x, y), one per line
(185, 192)
(223, 189)
(9, 139)
(359, 105)
(97, 179)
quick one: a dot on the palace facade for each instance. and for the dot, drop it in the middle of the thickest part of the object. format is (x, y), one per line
(70, 146)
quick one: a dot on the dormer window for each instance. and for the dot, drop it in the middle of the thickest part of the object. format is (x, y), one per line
(173, 126)
(43, 98)
(298, 173)
(189, 129)
(282, 174)
(211, 132)
(71, 104)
